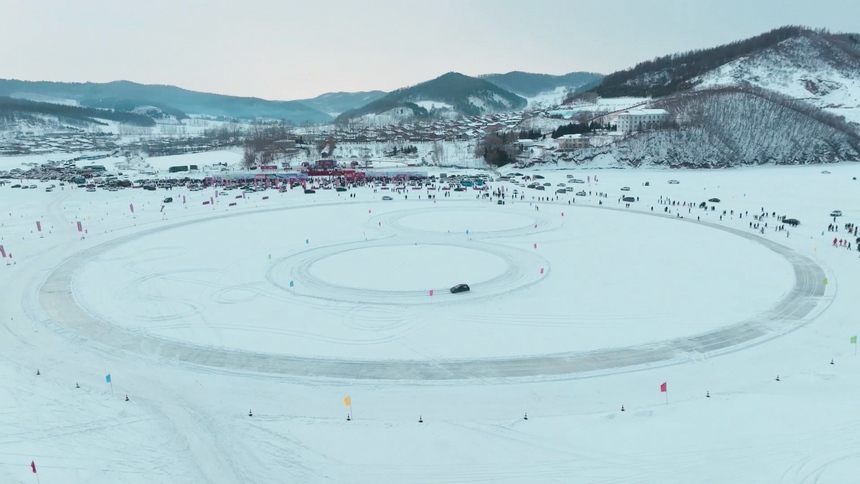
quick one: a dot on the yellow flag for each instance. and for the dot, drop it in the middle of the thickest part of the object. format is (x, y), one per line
(347, 402)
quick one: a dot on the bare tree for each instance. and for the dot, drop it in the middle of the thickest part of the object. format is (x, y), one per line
(249, 158)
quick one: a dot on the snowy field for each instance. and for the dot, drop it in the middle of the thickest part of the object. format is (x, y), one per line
(287, 304)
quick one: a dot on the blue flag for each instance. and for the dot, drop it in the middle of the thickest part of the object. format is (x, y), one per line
(307, 241)
(291, 283)
(107, 378)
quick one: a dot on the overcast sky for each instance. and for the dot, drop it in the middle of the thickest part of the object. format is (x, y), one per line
(291, 49)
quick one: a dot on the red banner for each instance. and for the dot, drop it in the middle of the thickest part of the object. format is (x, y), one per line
(38, 226)
(80, 227)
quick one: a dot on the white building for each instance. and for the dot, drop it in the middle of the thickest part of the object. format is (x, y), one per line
(572, 142)
(639, 119)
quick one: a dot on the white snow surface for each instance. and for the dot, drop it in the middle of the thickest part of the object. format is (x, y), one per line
(795, 68)
(428, 105)
(191, 312)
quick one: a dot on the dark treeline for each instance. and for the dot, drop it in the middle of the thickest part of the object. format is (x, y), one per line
(497, 148)
(89, 115)
(576, 128)
(530, 134)
(669, 74)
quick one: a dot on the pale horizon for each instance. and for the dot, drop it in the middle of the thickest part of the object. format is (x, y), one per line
(290, 50)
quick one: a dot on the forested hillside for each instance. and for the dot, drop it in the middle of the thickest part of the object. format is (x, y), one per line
(733, 127)
(672, 73)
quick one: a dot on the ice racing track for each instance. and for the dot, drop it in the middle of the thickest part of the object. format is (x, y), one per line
(805, 301)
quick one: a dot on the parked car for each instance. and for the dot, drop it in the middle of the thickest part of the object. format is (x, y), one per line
(340, 189)
(580, 193)
(167, 200)
(387, 198)
(577, 180)
(673, 182)
(540, 187)
(15, 186)
(625, 189)
(629, 199)
(560, 190)
(460, 288)
(309, 191)
(836, 213)
(714, 200)
(791, 221)
(500, 202)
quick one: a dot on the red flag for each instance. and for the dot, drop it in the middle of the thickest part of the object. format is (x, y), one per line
(33, 466)
(2, 252)
(663, 388)
(38, 226)
(431, 292)
(80, 228)
(535, 246)
(541, 270)
(131, 207)
(162, 209)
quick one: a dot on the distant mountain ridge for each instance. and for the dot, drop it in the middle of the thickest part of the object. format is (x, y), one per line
(453, 91)
(529, 84)
(125, 96)
(334, 103)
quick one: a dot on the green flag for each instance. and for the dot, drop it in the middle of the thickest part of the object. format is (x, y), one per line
(270, 256)
(853, 340)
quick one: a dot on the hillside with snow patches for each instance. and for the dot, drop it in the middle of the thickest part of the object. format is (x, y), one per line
(451, 94)
(730, 127)
(821, 70)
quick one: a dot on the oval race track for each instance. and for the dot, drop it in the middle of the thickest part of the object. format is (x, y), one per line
(800, 305)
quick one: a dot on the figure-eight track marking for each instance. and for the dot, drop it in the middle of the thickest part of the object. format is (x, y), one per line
(799, 306)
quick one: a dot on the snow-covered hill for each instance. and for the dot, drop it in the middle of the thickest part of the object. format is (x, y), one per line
(731, 127)
(449, 94)
(816, 68)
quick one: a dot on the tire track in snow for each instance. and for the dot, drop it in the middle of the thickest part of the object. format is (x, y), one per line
(799, 306)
